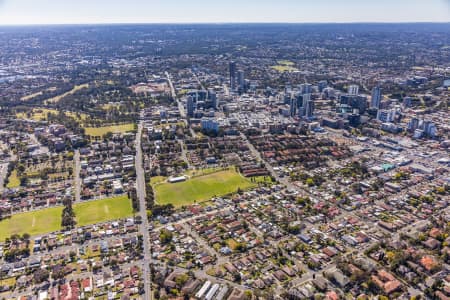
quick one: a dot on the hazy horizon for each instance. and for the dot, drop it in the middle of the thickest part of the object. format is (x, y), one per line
(85, 12)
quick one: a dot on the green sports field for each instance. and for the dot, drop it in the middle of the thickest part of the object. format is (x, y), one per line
(201, 188)
(103, 210)
(49, 219)
(100, 131)
(33, 223)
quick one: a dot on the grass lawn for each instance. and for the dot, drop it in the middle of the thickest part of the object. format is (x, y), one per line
(157, 179)
(263, 179)
(103, 210)
(285, 62)
(41, 114)
(100, 131)
(49, 219)
(232, 244)
(8, 281)
(37, 114)
(200, 188)
(13, 180)
(75, 89)
(31, 96)
(33, 223)
(284, 68)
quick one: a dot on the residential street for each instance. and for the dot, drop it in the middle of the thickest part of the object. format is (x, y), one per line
(77, 179)
(143, 228)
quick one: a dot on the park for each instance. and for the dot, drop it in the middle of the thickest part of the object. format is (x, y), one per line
(197, 189)
(49, 219)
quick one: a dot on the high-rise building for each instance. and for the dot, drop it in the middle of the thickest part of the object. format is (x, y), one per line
(233, 75)
(190, 106)
(323, 84)
(360, 103)
(376, 98)
(305, 88)
(293, 106)
(386, 115)
(309, 111)
(353, 89)
(241, 80)
(407, 101)
(305, 99)
(413, 124)
(429, 128)
(354, 102)
(209, 124)
(212, 96)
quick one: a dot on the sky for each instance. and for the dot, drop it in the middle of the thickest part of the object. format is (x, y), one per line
(14, 12)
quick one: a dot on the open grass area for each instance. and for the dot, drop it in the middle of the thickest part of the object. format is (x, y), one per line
(37, 114)
(285, 62)
(49, 219)
(157, 179)
(285, 66)
(31, 96)
(13, 180)
(75, 89)
(41, 114)
(8, 281)
(33, 223)
(100, 131)
(103, 210)
(263, 179)
(201, 188)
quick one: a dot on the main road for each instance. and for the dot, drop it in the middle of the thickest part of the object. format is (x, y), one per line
(180, 104)
(143, 228)
(77, 169)
(283, 180)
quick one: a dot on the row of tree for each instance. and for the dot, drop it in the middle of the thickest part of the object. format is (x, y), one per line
(68, 215)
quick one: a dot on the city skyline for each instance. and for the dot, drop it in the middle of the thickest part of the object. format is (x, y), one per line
(29, 12)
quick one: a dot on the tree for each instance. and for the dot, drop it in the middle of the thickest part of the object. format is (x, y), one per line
(40, 275)
(248, 295)
(26, 236)
(165, 236)
(58, 272)
(181, 280)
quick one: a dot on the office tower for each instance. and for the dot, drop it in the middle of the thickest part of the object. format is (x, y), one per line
(323, 84)
(209, 125)
(354, 120)
(213, 98)
(190, 106)
(305, 88)
(413, 124)
(376, 98)
(232, 75)
(360, 103)
(354, 102)
(386, 115)
(309, 111)
(241, 80)
(407, 101)
(293, 106)
(202, 95)
(429, 128)
(353, 89)
(345, 99)
(305, 99)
